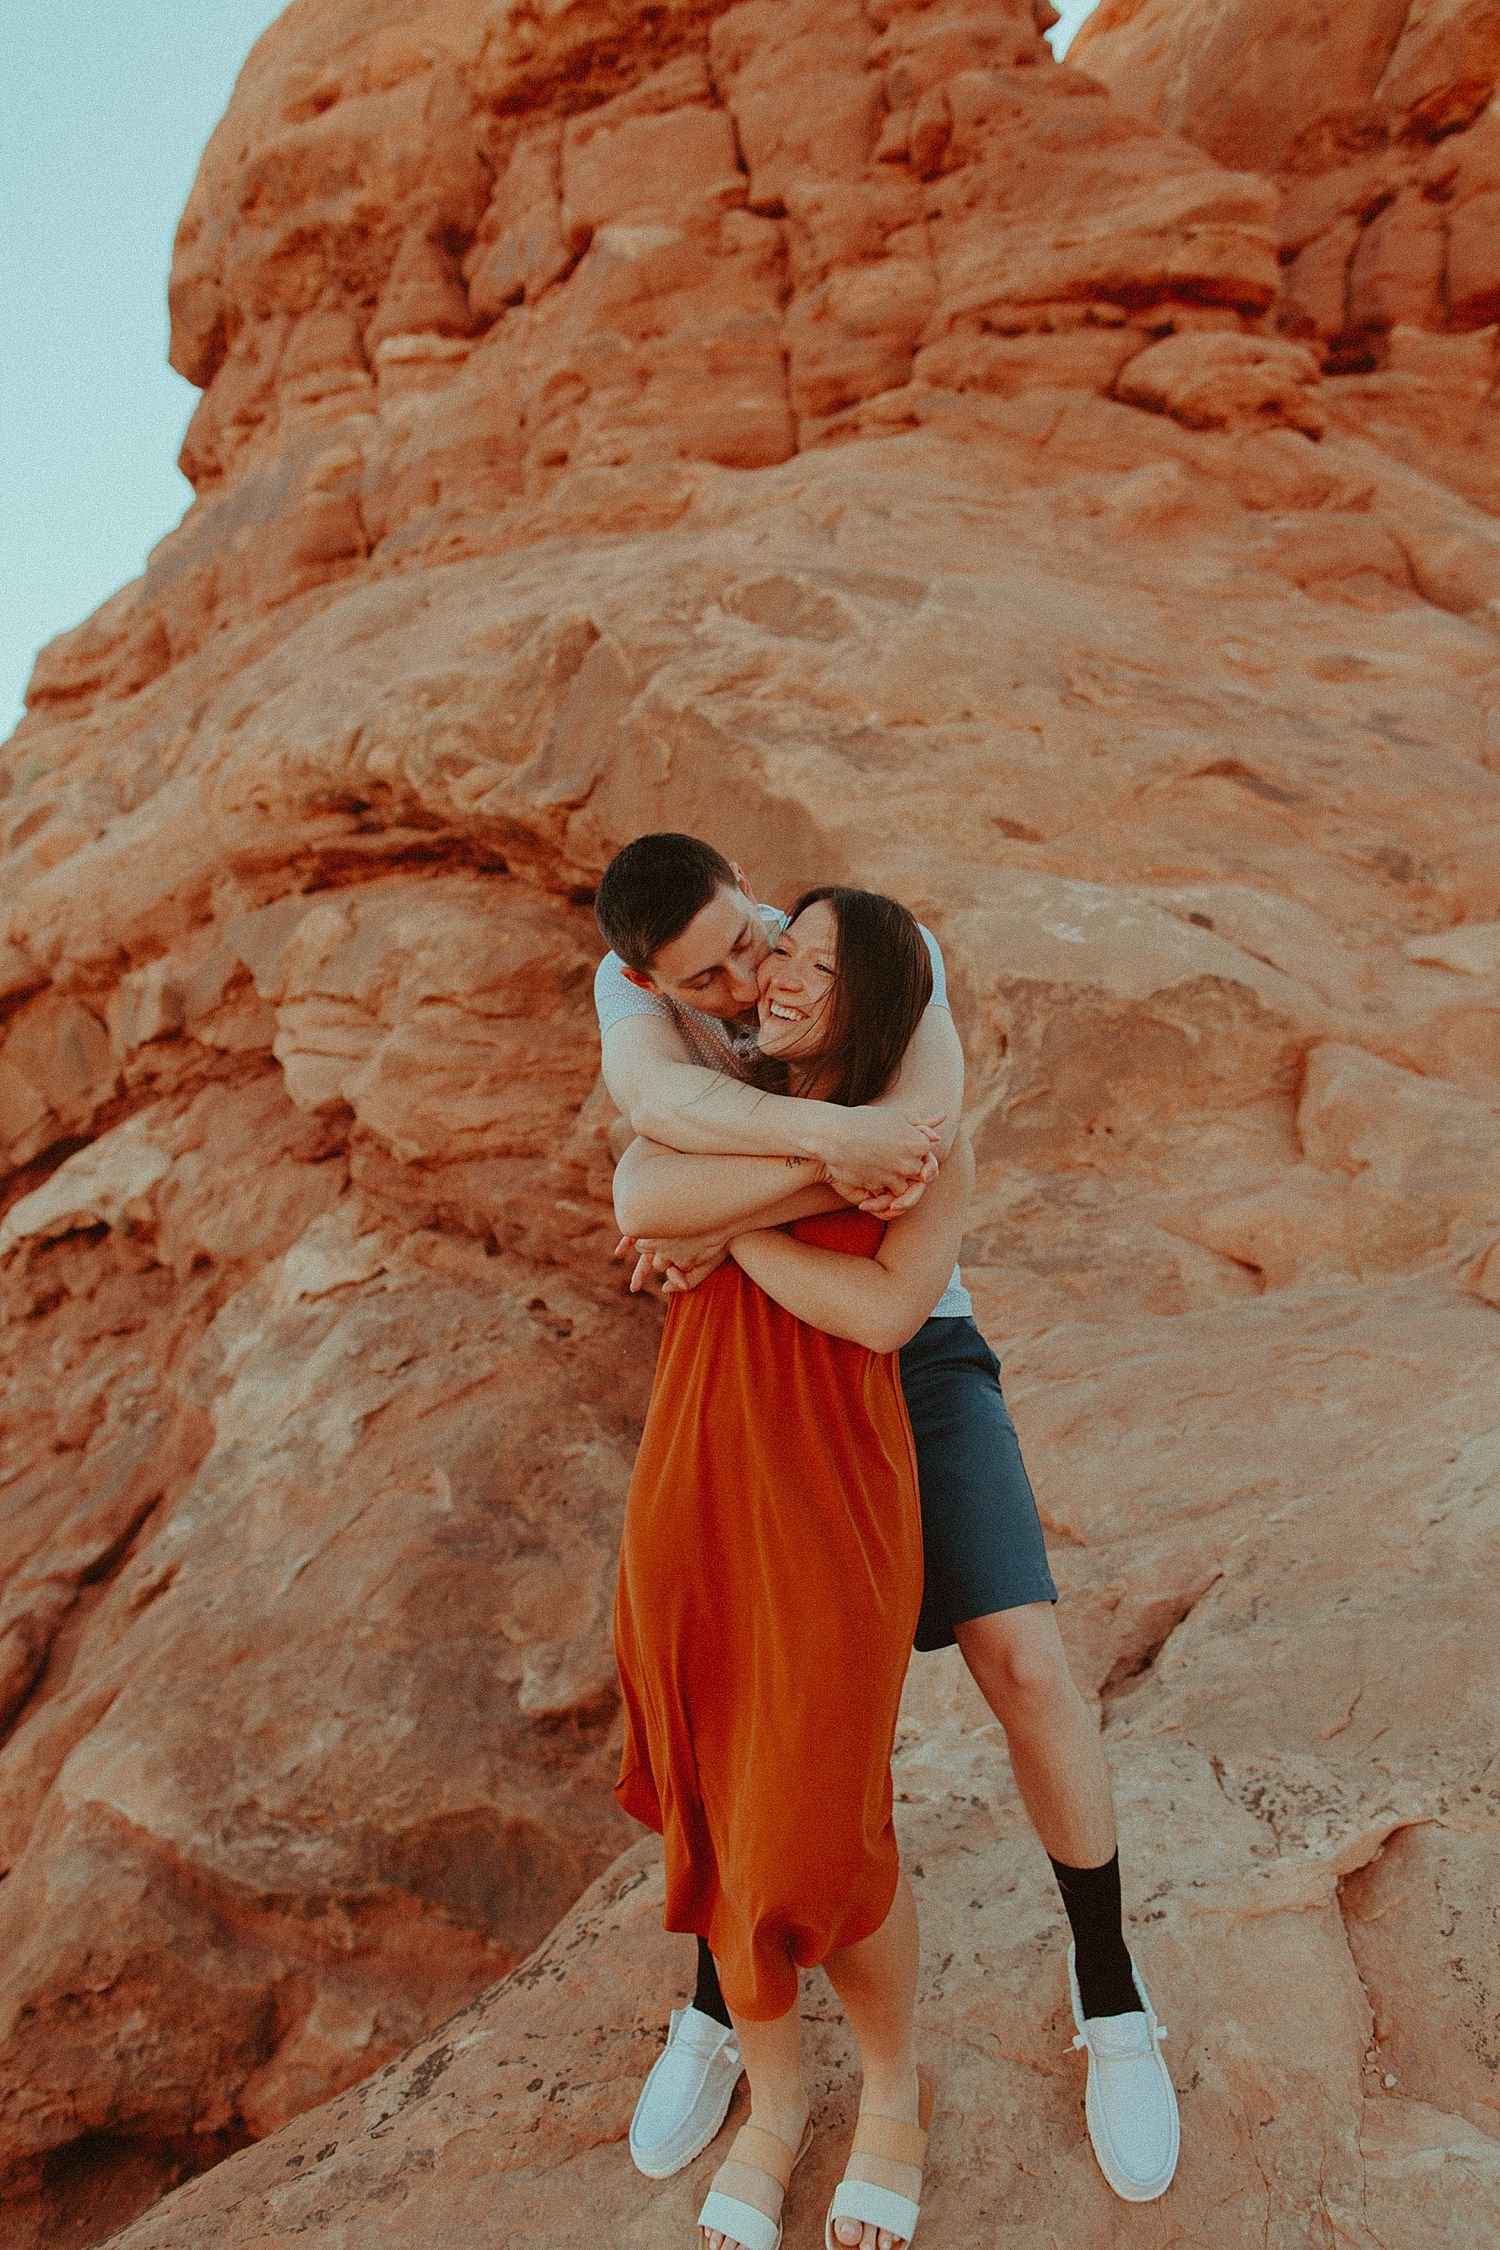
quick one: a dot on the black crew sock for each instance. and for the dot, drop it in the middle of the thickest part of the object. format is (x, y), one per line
(1091, 1896)
(708, 1999)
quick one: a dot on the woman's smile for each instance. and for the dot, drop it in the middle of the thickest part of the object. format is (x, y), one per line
(796, 980)
(786, 1023)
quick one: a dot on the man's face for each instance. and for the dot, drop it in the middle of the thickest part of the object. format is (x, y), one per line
(712, 964)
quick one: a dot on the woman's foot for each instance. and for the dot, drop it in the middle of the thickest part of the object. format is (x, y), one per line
(743, 2207)
(882, 2184)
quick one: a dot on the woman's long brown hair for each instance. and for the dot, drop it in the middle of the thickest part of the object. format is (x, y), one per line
(882, 982)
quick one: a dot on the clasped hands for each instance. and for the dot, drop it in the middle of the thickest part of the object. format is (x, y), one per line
(682, 1261)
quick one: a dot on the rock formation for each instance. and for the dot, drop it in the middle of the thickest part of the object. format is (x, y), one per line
(840, 429)
(1378, 124)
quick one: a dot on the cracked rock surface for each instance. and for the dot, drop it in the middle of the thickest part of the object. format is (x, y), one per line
(846, 432)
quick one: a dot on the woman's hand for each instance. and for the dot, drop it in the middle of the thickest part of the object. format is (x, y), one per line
(679, 1261)
(680, 1278)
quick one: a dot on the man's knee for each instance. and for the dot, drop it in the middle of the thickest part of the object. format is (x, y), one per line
(1018, 1659)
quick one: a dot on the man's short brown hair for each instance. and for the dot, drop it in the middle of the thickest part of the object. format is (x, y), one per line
(651, 890)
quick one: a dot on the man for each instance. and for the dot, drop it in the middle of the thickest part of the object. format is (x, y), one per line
(676, 999)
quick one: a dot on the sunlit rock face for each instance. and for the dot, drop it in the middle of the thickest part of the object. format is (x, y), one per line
(845, 432)
(1378, 121)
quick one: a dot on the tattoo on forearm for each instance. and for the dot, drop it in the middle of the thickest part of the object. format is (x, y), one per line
(794, 1162)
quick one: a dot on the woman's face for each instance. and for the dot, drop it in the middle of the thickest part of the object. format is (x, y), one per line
(797, 980)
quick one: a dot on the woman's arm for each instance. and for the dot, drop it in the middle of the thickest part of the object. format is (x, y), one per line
(683, 1261)
(879, 1302)
(684, 1250)
(661, 1192)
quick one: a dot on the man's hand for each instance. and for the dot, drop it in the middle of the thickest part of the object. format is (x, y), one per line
(880, 1149)
(880, 1202)
(680, 1262)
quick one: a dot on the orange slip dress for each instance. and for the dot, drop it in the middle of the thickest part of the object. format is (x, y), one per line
(770, 1581)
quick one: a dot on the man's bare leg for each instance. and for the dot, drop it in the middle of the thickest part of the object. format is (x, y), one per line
(1021, 1669)
(1017, 1659)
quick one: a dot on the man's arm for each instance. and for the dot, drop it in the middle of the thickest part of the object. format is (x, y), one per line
(704, 1112)
(930, 1082)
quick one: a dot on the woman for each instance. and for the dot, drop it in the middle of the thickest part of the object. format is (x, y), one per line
(770, 1581)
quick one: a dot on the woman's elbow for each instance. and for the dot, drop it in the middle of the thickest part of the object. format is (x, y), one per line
(640, 1212)
(894, 1323)
(887, 1332)
(631, 1213)
(627, 1218)
(637, 1197)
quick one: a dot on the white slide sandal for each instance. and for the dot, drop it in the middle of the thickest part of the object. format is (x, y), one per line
(759, 2165)
(890, 2140)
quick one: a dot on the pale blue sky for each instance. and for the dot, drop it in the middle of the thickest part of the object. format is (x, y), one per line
(105, 106)
(1072, 13)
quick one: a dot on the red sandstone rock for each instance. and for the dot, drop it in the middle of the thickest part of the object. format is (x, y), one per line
(1278, 1854)
(842, 431)
(1376, 117)
(1222, 380)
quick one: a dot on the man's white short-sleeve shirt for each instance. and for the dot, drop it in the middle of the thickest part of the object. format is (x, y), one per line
(719, 1046)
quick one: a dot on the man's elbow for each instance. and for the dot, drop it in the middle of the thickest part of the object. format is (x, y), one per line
(634, 1201)
(632, 1093)
(948, 1132)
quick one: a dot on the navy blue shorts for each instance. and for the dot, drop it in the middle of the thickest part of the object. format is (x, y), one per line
(981, 1535)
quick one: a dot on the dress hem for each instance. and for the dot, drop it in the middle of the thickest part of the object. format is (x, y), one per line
(864, 1928)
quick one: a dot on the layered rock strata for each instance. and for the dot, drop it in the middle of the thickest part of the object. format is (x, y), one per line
(1379, 125)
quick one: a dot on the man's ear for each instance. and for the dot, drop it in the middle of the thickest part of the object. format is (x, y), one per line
(637, 976)
(743, 880)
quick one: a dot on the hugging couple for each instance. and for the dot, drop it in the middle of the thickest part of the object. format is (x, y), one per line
(828, 1475)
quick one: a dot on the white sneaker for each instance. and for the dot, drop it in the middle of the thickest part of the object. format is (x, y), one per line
(1129, 2103)
(686, 2095)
